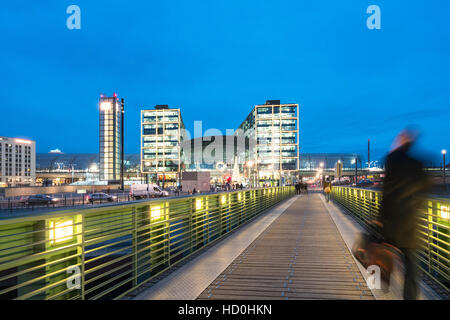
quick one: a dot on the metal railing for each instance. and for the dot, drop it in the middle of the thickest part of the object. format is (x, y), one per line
(61, 200)
(106, 252)
(433, 224)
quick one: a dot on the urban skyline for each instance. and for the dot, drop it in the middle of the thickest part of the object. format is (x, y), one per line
(346, 90)
(225, 152)
(377, 152)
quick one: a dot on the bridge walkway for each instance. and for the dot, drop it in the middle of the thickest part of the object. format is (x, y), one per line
(301, 255)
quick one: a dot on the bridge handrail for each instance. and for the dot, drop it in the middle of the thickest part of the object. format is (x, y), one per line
(434, 227)
(107, 252)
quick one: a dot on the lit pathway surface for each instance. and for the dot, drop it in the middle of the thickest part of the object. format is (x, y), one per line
(301, 255)
(297, 250)
(189, 281)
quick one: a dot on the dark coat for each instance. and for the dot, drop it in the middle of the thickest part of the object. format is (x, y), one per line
(405, 185)
(327, 184)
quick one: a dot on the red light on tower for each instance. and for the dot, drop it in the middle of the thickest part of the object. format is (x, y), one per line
(115, 95)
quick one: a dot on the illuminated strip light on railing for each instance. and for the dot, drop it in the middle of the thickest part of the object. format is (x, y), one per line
(444, 212)
(155, 213)
(60, 231)
(198, 204)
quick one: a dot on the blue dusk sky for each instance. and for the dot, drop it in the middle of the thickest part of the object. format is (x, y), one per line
(216, 59)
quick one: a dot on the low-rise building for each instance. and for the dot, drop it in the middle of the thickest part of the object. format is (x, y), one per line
(17, 162)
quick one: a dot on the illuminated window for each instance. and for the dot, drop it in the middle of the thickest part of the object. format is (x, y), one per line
(104, 106)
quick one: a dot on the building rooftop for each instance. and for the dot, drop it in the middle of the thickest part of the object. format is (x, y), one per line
(16, 140)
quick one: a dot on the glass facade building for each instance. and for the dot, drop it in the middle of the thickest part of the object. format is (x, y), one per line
(313, 161)
(161, 136)
(111, 143)
(274, 156)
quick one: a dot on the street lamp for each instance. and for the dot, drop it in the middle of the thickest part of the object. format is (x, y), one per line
(444, 152)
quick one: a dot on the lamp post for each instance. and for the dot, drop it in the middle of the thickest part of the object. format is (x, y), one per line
(321, 166)
(444, 152)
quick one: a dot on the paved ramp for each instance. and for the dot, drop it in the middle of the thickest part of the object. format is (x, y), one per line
(301, 255)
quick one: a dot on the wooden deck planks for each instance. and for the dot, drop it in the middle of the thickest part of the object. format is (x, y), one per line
(301, 255)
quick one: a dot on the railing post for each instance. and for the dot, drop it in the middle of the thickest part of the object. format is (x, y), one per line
(83, 258)
(134, 247)
(191, 212)
(430, 227)
(242, 206)
(221, 206)
(206, 204)
(166, 217)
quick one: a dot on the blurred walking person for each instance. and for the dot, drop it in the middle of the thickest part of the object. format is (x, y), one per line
(404, 189)
(327, 188)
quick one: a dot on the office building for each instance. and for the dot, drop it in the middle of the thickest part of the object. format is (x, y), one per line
(17, 162)
(264, 149)
(111, 138)
(274, 156)
(161, 136)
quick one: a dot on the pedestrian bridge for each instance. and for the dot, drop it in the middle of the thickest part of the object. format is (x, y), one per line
(253, 244)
